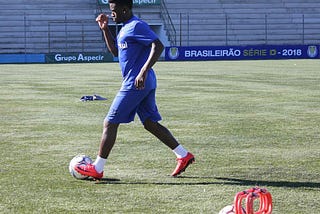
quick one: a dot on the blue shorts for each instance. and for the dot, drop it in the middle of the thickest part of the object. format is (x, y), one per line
(129, 102)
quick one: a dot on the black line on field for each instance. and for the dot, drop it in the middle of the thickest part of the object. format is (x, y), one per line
(246, 182)
(215, 181)
(157, 183)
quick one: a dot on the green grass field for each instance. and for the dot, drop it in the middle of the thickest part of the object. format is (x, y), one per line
(249, 123)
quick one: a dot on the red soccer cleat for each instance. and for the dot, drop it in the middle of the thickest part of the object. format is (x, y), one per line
(183, 163)
(88, 170)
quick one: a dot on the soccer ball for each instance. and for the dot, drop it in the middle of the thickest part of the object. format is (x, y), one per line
(227, 210)
(79, 159)
(230, 210)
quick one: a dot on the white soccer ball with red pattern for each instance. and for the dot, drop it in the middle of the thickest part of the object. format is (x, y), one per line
(79, 159)
(230, 209)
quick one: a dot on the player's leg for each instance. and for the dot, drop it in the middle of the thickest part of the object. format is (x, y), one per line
(184, 157)
(161, 132)
(122, 110)
(149, 116)
(108, 138)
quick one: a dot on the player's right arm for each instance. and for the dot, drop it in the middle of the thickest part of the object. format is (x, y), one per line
(102, 20)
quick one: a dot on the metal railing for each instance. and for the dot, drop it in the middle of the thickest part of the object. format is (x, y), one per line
(73, 35)
(248, 29)
(168, 24)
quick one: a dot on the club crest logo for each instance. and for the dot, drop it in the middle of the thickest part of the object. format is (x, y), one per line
(312, 51)
(173, 53)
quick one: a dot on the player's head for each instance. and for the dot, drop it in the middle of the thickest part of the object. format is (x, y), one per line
(120, 10)
(127, 3)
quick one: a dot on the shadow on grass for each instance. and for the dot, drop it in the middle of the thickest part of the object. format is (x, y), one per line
(214, 181)
(245, 182)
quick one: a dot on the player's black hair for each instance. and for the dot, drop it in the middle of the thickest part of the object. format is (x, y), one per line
(127, 3)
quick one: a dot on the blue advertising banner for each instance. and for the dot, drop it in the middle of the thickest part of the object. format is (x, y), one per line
(95, 57)
(78, 57)
(135, 2)
(252, 52)
(22, 58)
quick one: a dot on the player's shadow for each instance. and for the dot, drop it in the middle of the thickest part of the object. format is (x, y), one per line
(248, 182)
(187, 180)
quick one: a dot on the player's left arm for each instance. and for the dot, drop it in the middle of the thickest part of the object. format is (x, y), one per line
(155, 52)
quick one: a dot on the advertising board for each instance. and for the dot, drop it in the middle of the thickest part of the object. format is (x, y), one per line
(252, 52)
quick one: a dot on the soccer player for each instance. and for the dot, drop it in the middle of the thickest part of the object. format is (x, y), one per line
(138, 48)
